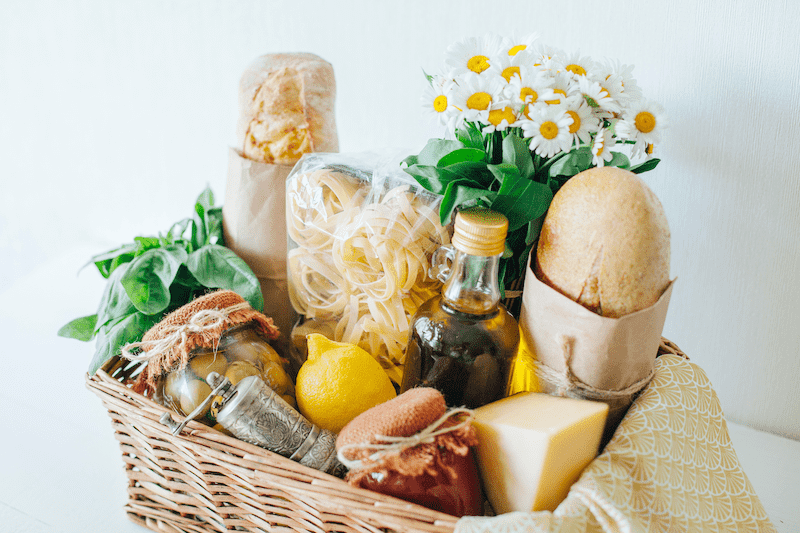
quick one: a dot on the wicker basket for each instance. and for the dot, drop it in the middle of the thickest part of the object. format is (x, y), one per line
(203, 480)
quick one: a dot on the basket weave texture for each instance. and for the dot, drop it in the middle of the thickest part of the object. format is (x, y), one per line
(204, 481)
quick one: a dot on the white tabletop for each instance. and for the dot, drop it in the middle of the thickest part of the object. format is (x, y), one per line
(60, 466)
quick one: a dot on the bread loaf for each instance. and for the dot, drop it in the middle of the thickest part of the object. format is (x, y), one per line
(286, 108)
(605, 243)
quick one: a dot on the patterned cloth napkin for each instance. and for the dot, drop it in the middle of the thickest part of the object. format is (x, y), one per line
(669, 467)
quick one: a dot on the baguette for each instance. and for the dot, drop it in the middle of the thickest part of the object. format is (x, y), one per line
(605, 243)
(286, 108)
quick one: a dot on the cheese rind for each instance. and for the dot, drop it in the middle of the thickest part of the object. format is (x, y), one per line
(533, 447)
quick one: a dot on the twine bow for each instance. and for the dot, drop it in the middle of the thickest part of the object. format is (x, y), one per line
(566, 382)
(204, 320)
(398, 444)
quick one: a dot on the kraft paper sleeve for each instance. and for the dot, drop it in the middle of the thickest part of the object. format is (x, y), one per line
(254, 226)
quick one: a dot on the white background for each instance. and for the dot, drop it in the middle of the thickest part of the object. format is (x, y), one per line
(115, 115)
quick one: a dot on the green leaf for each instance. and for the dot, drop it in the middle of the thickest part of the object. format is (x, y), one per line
(470, 135)
(144, 244)
(506, 175)
(205, 199)
(619, 160)
(477, 171)
(435, 150)
(459, 195)
(534, 229)
(411, 160)
(427, 76)
(115, 303)
(81, 328)
(107, 262)
(219, 267)
(112, 337)
(646, 166)
(461, 155)
(432, 178)
(177, 230)
(214, 226)
(516, 152)
(574, 162)
(522, 202)
(149, 277)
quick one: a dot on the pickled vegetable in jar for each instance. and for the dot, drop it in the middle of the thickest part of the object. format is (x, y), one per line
(241, 352)
(218, 332)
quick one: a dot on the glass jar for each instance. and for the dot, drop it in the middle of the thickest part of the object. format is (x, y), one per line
(463, 341)
(241, 352)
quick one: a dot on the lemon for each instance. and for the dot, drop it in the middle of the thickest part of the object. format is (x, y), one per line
(338, 382)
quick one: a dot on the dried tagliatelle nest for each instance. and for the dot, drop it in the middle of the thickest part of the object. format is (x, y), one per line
(361, 238)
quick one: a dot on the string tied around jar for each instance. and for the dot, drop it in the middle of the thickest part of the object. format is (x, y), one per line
(387, 444)
(198, 324)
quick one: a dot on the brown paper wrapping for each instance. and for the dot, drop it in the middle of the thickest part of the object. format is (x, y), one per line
(580, 354)
(254, 226)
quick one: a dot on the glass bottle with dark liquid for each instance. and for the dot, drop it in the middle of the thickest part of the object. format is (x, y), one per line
(463, 341)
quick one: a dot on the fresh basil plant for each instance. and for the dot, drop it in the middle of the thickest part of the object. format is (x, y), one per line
(153, 276)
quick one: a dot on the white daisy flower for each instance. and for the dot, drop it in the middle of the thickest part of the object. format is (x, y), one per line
(508, 66)
(601, 148)
(473, 54)
(548, 129)
(598, 96)
(577, 65)
(513, 45)
(584, 122)
(548, 57)
(532, 86)
(475, 96)
(500, 118)
(642, 123)
(630, 89)
(437, 99)
(563, 87)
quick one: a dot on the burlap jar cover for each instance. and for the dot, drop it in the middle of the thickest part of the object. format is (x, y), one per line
(198, 324)
(413, 448)
(670, 466)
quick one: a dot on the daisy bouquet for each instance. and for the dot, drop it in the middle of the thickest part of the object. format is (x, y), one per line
(521, 119)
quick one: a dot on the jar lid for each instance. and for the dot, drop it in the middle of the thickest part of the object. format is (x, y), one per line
(480, 231)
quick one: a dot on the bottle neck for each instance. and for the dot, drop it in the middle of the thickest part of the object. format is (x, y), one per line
(472, 286)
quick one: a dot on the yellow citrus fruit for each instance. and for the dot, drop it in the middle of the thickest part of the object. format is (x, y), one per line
(338, 382)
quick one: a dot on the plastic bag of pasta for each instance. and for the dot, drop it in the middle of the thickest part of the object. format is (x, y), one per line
(361, 235)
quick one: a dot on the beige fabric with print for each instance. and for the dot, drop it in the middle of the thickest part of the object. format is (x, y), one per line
(670, 467)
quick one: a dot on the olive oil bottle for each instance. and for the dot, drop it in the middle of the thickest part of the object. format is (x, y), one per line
(463, 341)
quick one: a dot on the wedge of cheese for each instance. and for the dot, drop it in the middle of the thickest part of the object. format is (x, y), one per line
(533, 447)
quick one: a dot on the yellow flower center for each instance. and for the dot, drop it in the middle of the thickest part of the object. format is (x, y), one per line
(549, 130)
(576, 122)
(509, 73)
(576, 69)
(479, 101)
(440, 103)
(645, 122)
(649, 149)
(526, 92)
(516, 49)
(478, 63)
(496, 116)
(604, 93)
(557, 100)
